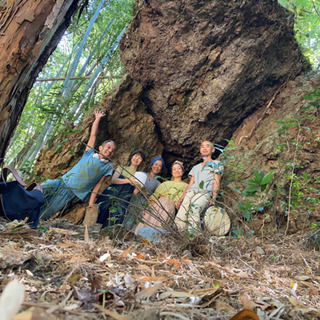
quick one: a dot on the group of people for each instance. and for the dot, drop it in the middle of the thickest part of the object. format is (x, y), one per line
(127, 201)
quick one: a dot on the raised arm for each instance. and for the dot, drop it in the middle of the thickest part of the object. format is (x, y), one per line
(94, 129)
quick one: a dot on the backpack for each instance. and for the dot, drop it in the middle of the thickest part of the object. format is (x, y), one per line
(18, 202)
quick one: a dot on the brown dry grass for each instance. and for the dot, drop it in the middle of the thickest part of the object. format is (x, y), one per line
(204, 279)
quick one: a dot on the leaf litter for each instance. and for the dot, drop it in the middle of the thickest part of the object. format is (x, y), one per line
(68, 272)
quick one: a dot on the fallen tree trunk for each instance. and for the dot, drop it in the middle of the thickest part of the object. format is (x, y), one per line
(197, 70)
(207, 65)
(29, 32)
(210, 70)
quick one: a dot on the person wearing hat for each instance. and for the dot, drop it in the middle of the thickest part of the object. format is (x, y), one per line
(151, 184)
(84, 179)
(202, 189)
(162, 203)
(114, 200)
(141, 194)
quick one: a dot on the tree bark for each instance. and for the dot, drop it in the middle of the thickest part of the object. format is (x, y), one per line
(197, 69)
(207, 65)
(29, 32)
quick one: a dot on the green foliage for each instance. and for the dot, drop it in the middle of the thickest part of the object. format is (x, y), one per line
(307, 26)
(50, 108)
(247, 208)
(42, 229)
(287, 124)
(26, 167)
(274, 257)
(257, 188)
(228, 158)
(258, 183)
(237, 233)
(256, 197)
(314, 99)
(304, 193)
(303, 188)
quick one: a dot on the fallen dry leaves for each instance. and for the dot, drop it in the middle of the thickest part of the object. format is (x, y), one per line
(68, 273)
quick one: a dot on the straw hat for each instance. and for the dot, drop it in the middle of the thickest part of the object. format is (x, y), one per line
(217, 221)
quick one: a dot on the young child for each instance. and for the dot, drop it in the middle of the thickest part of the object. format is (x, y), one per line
(86, 176)
(202, 189)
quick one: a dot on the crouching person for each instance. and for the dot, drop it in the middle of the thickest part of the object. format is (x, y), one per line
(114, 200)
(162, 205)
(201, 191)
(87, 175)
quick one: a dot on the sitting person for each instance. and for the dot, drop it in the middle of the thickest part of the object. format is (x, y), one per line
(202, 189)
(164, 199)
(114, 200)
(87, 174)
(140, 195)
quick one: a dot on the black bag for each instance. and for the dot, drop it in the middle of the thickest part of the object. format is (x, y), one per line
(16, 202)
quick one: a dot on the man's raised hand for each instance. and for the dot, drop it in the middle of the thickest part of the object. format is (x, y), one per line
(99, 114)
(94, 129)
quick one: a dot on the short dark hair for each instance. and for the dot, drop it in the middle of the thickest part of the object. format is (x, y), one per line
(142, 154)
(107, 141)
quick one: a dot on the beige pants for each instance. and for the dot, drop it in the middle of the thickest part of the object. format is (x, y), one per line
(160, 212)
(193, 204)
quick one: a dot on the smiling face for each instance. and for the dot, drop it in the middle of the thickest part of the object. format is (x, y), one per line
(156, 167)
(136, 159)
(107, 150)
(176, 171)
(206, 149)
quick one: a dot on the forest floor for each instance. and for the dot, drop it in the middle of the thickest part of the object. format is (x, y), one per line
(70, 274)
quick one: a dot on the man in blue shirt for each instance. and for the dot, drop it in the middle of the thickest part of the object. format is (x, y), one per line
(85, 178)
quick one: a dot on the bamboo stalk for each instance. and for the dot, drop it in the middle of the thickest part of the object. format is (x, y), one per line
(77, 78)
